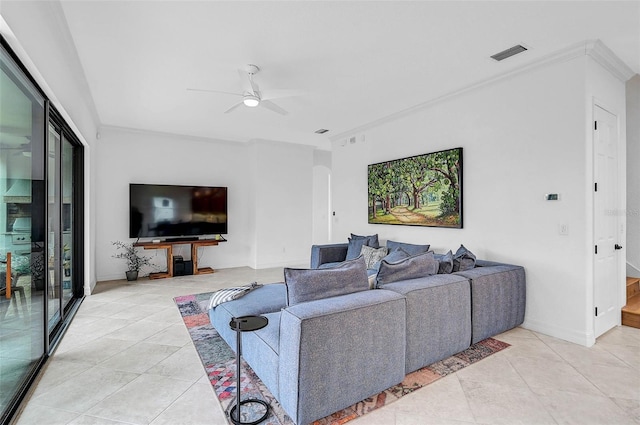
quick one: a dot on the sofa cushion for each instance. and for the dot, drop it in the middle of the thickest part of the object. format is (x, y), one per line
(410, 268)
(372, 255)
(463, 260)
(313, 284)
(270, 334)
(498, 298)
(228, 294)
(438, 317)
(410, 248)
(445, 263)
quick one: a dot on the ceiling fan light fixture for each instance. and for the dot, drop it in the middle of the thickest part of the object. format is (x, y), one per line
(251, 100)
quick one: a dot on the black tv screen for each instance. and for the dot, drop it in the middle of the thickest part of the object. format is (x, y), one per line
(166, 210)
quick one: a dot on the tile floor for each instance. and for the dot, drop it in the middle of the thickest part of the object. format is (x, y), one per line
(127, 359)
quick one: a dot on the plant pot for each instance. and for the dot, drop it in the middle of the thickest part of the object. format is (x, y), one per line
(132, 275)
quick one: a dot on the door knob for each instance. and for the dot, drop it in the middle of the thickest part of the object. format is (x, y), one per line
(618, 246)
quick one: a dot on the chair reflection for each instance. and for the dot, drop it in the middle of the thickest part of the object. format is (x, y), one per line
(9, 293)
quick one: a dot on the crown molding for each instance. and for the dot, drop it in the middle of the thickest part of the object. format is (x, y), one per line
(597, 50)
(593, 48)
(166, 135)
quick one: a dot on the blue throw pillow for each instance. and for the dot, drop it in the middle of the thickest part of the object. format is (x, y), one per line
(355, 247)
(410, 248)
(356, 242)
(463, 260)
(396, 256)
(410, 268)
(445, 262)
(313, 284)
(372, 240)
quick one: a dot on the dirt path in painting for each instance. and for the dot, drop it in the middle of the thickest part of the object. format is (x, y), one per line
(404, 215)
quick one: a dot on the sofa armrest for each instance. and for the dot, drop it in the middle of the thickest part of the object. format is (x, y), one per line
(338, 351)
(330, 253)
(488, 263)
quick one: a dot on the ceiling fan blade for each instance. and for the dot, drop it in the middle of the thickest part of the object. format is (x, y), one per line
(273, 107)
(233, 107)
(215, 91)
(280, 93)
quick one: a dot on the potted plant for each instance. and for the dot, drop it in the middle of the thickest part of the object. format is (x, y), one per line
(134, 261)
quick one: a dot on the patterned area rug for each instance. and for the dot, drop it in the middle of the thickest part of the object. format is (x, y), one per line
(220, 364)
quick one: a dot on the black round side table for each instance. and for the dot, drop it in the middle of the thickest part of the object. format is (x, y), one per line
(245, 324)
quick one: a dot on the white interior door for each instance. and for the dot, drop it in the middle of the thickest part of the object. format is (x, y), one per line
(606, 279)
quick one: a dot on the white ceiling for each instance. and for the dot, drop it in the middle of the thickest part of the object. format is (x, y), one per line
(357, 61)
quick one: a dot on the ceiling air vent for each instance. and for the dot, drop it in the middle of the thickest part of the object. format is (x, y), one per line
(509, 52)
(321, 131)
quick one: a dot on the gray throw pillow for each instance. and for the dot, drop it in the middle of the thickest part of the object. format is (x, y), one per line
(410, 248)
(445, 263)
(463, 260)
(410, 268)
(313, 284)
(372, 255)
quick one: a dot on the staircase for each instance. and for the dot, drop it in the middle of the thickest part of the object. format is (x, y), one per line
(631, 311)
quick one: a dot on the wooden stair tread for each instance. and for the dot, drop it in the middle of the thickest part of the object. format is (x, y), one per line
(631, 311)
(633, 305)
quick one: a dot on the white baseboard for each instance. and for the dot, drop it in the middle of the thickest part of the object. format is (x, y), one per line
(299, 263)
(571, 335)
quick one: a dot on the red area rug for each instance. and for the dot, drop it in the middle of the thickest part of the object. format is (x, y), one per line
(220, 364)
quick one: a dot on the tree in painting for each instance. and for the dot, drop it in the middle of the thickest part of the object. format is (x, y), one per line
(423, 190)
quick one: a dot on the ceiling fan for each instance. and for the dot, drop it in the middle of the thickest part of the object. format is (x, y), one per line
(252, 96)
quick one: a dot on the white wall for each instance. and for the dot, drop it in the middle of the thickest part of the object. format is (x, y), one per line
(523, 136)
(283, 190)
(633, 176)
(269, 191)
(605, 91)
(321, 197)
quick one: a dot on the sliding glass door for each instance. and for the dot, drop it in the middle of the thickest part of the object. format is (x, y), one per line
(41, 163)
(22, 239)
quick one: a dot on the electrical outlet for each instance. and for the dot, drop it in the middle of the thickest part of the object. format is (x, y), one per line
(563, 229)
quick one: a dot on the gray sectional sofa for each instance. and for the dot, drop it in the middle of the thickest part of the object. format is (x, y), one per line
(320, 355)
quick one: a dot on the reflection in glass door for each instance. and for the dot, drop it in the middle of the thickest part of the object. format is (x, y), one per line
(67, 222)
(53, 207)
(60, 170)
(22, 241)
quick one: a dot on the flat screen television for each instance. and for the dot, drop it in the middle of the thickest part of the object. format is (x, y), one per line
(176, 211)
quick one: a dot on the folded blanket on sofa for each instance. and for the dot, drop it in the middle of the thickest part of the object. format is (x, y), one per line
(228, 294)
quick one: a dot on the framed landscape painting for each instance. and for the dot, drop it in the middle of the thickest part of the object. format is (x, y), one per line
(422, 190)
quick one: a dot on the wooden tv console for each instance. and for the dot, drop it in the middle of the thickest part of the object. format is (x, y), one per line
(168, 245)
